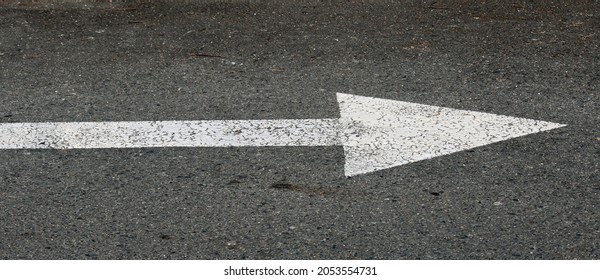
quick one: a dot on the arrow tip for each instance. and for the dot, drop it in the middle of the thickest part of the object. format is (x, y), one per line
(380, 133)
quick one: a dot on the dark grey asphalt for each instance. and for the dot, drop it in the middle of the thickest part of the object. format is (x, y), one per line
(534, 197)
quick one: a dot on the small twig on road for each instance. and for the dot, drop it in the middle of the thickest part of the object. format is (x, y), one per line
(197, 54)
(120, 9)
(438, 8)
(434, 7)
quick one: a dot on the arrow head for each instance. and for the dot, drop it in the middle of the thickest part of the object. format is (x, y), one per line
(380, 133)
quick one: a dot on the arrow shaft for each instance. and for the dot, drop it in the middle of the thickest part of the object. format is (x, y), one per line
(210, 133)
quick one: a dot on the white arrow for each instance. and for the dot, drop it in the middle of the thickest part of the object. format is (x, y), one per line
(375, 133)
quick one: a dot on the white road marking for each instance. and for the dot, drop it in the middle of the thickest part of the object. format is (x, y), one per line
(212, 133)
(375, 133)
(392, 133)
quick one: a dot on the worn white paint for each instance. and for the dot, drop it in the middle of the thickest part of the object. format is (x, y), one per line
(375, 133)
(213, 133)
(381, 133)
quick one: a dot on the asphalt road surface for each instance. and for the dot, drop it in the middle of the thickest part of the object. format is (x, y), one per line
(531, 197)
